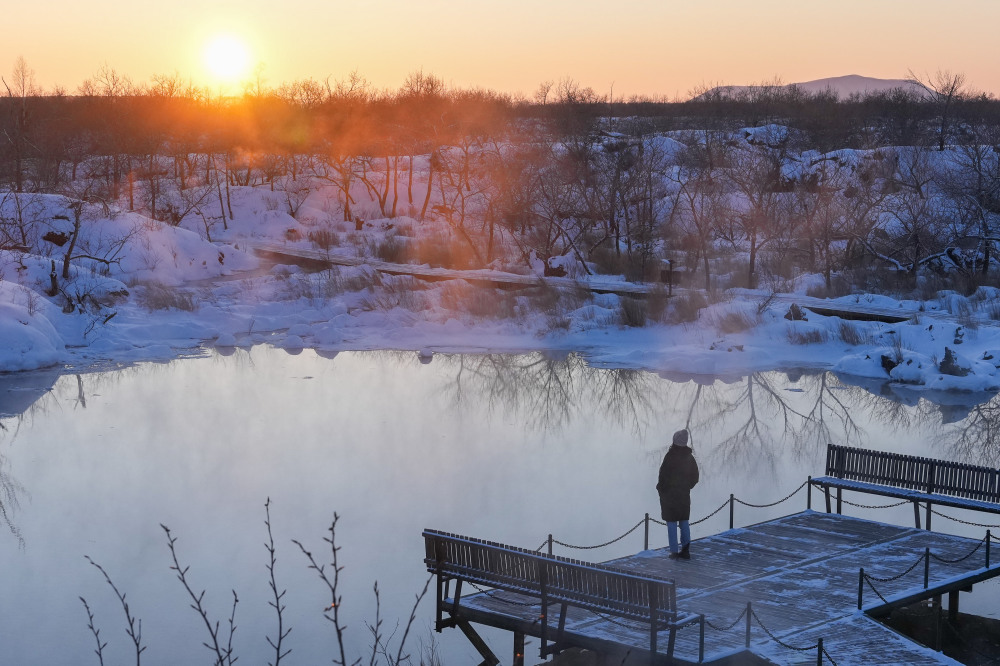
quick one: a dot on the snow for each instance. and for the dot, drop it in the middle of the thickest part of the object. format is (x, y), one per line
(165, 291)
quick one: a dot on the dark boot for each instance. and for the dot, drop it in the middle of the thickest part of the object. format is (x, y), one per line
(685, 553)
(674, 556)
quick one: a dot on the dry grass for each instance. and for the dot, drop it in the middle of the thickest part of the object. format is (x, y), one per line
(155, 296)
(632, 312)
(460, 296)
(736, 321)
(808, 336)
(686, 308)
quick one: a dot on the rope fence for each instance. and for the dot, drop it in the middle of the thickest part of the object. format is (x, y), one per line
(870, 580)
(731, 502)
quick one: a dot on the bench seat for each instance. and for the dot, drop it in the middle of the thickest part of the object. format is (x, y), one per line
(907, 494)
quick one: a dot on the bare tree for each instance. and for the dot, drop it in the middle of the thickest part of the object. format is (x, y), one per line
(946, 90)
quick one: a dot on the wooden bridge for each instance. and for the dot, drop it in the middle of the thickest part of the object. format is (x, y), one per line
(804, 588)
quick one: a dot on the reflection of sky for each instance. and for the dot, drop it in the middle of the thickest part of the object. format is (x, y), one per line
(507, 448)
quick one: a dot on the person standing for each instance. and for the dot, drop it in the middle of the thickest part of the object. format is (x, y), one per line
(678, 475)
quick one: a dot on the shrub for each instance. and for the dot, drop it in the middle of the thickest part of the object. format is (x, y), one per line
(324, 239)
(808, 336)
(850, 334)
(632, 312)
(685, 308)
(155, 296)
(460, 296)
(391, 249)
(736, 321)
(658, 303)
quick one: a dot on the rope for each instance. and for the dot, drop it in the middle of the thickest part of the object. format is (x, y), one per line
(600, 545)
(777, 640)
(895, 578)
(875, 590)
(727, 628)
(710, 515)
(492, 594)
(961, 559)
(875, 506)
(764, 506)
(964, 522)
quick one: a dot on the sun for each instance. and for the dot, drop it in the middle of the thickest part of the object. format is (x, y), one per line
(227, 58)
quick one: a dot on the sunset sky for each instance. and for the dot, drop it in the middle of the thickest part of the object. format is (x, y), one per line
(653, 47)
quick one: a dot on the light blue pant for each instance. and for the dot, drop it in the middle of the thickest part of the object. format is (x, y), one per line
(672, 535)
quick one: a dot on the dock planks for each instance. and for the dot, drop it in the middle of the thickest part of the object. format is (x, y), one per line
(800, 572)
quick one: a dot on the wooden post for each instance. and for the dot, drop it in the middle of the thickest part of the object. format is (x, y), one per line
(653, 603)
(840, 500)
(937, 622)
(701, 638)
(826, 494)
(749, 618)
(916, 514)
(928, 514)
(927, 567)
(989, 537)
(645, 542)
(861, 586)
(953, 606)
(809, 493)
(819, 652)
(543, 575)
(518, 648)
(731, 502)
(550, 544)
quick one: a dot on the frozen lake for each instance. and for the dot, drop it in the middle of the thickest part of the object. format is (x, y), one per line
(504, 447)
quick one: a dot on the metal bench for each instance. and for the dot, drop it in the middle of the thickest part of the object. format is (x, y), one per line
(553, 580)
(919, 480)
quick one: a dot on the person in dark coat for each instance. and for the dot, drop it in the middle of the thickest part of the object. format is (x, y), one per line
(678, 475)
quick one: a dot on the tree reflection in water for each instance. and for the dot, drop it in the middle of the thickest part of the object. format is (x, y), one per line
(547, 391)
(750, 422)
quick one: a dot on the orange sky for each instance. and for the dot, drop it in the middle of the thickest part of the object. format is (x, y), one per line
(655, 47)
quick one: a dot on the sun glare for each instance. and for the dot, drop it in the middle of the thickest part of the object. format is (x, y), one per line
(227, 59)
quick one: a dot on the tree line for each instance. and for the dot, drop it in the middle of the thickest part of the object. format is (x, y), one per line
(732, 183)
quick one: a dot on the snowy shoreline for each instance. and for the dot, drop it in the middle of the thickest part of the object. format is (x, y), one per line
(171, 293)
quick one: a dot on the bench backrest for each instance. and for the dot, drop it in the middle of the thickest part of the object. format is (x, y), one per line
(914, 473)
(595, 587)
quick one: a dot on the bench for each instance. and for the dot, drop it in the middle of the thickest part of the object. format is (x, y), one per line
(919, 480)
(553, 580)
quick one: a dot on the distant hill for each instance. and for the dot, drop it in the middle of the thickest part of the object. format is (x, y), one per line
(842, 86)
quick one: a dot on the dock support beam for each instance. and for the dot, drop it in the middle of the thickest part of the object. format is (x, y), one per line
(489, 659)
(518, 648)
(953, 606)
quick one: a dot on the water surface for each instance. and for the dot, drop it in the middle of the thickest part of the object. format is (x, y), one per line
(504, 447)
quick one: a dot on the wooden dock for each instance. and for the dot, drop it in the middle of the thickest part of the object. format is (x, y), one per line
(800, 575)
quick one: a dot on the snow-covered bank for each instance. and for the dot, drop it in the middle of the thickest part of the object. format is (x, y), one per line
(145, 290)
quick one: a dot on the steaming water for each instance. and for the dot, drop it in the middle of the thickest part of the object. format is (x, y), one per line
(508, 448)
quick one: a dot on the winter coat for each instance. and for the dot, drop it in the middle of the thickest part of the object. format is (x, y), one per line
(678, 475)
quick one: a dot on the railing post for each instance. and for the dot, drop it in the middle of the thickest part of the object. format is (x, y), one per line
(701, 639)
(819, 652)
(809, 493)
(550, 544)
(749, 618)
(651, 593)
(861, 586)
(645, 543)
(989, 538)
(731, 503)
(927, 567)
